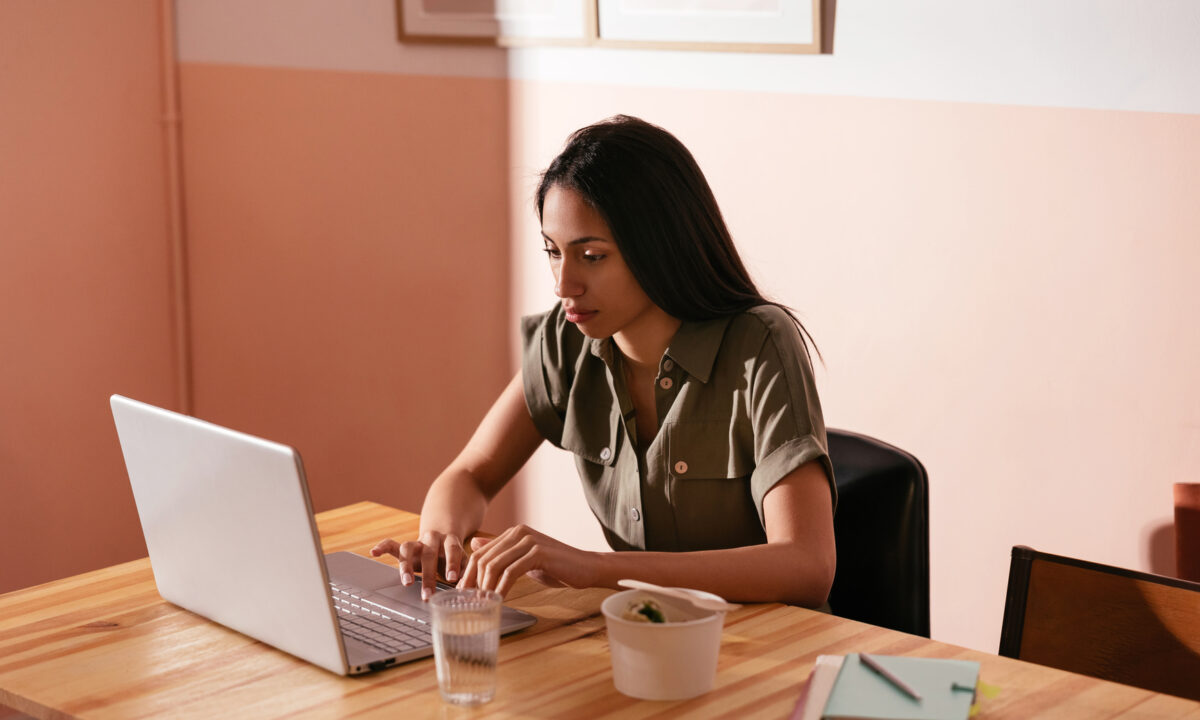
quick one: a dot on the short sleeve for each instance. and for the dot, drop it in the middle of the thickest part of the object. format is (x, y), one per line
(788, 427)
(550, 347)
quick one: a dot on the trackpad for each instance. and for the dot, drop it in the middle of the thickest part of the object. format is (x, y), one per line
(408, 594)
(405, 599)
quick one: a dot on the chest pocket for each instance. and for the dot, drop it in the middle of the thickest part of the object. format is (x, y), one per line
(708, 486)
(593, 437)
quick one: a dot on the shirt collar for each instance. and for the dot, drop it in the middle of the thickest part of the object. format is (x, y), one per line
(602, 348)
(694, 347)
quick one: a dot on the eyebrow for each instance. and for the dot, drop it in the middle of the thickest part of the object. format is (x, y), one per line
(577, 241)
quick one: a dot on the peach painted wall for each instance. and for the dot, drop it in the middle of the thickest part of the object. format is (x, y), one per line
(1007, 292)
(85, 303)
(348, 252)
(349, 279)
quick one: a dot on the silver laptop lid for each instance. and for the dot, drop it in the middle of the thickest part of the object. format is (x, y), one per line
(229, 529)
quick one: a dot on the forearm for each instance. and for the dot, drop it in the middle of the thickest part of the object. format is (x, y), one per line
(458, 498)
(772, 572)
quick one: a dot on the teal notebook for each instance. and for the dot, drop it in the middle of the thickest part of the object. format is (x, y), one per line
(860, 692)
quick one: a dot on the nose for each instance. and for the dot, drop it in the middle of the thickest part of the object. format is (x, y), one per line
(566, 284)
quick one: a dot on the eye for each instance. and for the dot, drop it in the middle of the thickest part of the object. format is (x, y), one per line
(593, 257)
(552, 252)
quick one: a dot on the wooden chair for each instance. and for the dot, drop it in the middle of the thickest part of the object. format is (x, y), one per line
(881, 528)
(1121, 625)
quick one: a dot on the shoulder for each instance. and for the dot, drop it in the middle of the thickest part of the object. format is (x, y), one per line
(771, 318)
(550, 324)
(552, 352)
(767, 339)
(755, 326)
(549, 337)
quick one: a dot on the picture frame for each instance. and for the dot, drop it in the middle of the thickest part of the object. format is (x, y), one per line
(504, 23)
(776, 26)
(766, 26)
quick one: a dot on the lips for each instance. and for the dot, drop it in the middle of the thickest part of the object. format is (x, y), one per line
(576, 315)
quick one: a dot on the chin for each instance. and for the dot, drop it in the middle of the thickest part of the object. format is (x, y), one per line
(594, 333)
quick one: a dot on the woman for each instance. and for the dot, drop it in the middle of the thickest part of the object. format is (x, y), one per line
(686, 397)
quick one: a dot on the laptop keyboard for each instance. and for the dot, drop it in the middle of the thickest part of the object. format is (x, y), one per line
(380, 627)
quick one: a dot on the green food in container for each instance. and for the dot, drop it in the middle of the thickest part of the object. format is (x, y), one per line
(646, 611)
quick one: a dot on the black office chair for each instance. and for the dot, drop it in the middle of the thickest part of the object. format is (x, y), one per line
(882, 533)
(1115, 624)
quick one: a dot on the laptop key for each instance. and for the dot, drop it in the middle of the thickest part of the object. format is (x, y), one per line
(375, 625)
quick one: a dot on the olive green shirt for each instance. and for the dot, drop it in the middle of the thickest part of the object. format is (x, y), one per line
(738, 411)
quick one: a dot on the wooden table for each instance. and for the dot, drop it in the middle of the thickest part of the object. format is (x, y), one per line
(104, 645)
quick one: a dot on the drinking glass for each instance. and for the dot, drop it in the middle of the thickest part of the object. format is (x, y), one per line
(466, 638)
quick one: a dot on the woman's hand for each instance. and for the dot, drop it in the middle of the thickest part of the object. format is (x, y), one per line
(422, 556)
(497, 562)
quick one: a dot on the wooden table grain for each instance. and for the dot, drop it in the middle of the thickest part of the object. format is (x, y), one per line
(105, 645)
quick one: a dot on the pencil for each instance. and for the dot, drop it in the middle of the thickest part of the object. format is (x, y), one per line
(886, 674)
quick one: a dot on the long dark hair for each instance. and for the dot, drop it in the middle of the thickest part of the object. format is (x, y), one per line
(663, 217)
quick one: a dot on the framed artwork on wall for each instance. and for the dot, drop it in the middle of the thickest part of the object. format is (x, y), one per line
(497, 22)
(736, 25)
(775, 26)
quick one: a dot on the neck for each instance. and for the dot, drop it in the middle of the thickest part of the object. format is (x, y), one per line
(644, 342)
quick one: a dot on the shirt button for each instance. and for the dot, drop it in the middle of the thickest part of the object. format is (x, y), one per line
(605, 454)
(681, 467)
(665, 383)
(668, 364)
(635, 514)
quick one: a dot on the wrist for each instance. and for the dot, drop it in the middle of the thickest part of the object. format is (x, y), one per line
(437, 530)
(604, 574)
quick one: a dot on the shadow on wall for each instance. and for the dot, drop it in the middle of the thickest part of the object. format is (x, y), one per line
(1160, 549)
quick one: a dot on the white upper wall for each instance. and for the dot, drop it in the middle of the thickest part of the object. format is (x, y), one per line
(1102, 54)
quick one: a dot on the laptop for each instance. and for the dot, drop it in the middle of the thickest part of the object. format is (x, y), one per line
(231, 536)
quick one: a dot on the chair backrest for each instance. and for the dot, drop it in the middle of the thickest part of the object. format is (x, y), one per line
(882, 533)
(1115, 624)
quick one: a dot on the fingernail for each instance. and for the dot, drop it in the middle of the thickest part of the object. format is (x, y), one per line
(425, 593)
(406, 578)
(452, 576)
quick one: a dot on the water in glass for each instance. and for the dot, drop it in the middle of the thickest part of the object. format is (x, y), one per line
(466, 638)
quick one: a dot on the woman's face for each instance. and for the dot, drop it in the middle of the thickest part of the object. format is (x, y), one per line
(599, 293)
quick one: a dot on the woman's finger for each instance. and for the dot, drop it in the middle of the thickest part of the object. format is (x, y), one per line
(410, 561)
(469, 573)
(387, 546)
(429, 563)
(484, 550)
(453, 552)
(526, 563)
(499, 556)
